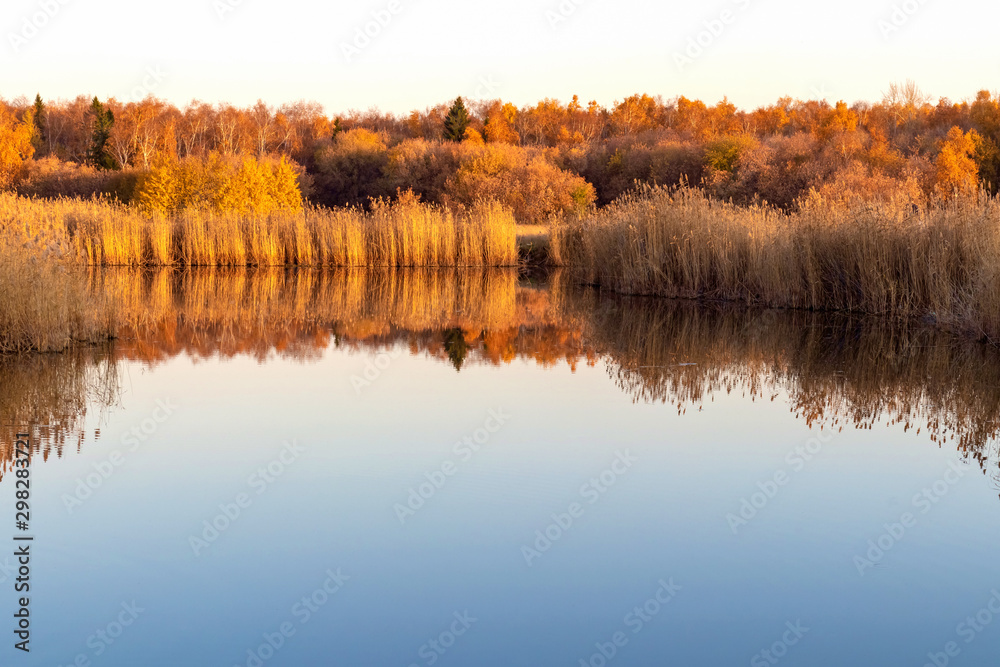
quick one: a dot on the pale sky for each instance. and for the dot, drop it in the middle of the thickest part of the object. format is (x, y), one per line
(431, 51)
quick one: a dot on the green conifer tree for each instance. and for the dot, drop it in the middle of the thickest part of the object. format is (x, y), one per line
(102, 120)
(38, 116)
(456, 122)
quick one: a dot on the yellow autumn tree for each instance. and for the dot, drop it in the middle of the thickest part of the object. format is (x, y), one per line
(158, 189)
(473, 137)
(957, 171)
(16, 148)
(247, 186)
(723, 154)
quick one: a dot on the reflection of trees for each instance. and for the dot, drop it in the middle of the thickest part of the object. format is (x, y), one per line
(456, 347)
(835, 370)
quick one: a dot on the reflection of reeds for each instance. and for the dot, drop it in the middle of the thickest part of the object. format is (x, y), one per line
(43, 307)
(404, 233)
(221, 311)
(835, 368)
(48, 395)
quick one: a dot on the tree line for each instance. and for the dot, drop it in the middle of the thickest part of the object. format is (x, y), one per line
(542, 159)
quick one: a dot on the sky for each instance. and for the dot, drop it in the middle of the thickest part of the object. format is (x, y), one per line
(400, 55)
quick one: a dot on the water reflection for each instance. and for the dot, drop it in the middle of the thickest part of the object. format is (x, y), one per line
(834, 370)
(50, 395)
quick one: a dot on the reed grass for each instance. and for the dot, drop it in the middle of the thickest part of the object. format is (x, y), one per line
(404, 233)
(941, 263)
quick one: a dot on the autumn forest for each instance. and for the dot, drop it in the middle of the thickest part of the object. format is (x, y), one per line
(541, 160)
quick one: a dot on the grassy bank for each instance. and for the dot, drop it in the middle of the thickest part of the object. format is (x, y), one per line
(403, 233)
(941, 263)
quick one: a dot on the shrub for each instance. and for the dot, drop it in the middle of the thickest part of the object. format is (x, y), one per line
(51, 177)
(349, 171)
(723, 154)
(530, 185)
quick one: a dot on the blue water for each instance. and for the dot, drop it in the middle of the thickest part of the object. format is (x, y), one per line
(324, 562)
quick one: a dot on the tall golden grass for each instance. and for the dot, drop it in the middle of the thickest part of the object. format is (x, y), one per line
(44, 303)
(941, 263)
(404, 233)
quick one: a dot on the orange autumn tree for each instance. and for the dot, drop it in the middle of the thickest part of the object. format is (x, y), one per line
(16, 147)
(957, 171)
(499, 124)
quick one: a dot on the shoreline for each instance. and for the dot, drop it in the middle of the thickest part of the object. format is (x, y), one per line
(938, 266)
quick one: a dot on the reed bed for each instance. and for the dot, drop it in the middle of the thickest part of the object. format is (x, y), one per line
(941, 263)
(405, 233)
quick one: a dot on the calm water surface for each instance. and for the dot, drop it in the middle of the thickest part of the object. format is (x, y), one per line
(452, 468)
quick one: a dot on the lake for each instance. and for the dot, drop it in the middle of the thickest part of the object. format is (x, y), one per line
(480, 468)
